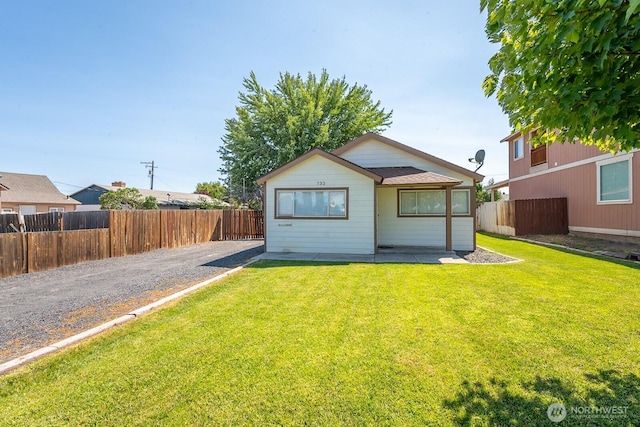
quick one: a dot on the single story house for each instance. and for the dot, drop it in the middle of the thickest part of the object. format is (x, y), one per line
(89, 197)
(370, 193)
(28, 194)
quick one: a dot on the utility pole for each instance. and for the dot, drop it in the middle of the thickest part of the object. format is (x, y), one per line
(151, 165)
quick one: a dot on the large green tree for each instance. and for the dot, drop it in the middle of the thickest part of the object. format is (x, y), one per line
(273, 127)
(571, 67)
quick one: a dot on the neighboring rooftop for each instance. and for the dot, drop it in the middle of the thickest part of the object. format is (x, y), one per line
(164, 197)
(27, 188)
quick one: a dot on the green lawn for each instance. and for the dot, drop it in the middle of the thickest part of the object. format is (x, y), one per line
(361, 344)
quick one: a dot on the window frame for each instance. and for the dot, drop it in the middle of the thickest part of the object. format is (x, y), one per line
(518, 141)
(459, 190)
(617, 159)
(276, 214)
(418, 215)
(56, 209)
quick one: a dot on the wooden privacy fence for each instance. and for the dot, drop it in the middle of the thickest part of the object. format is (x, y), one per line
(524, 217)
(128, 233)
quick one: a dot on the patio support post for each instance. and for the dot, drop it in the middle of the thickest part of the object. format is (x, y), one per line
(448, 221)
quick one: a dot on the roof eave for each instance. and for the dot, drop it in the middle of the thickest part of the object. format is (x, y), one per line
(410, 150)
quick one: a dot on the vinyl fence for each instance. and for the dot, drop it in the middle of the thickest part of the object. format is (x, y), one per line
(524, 217)
(116, 233)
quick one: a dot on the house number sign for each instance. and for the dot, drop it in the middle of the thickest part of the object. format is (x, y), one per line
(320, 183)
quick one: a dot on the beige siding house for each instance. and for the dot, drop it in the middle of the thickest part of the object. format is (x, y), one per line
(602, 189)
(372, 192)
(28, 194)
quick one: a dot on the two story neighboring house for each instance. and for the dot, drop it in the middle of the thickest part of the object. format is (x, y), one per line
(602, 200)
(29, 194)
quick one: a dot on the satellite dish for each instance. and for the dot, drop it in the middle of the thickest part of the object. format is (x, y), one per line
(478, 159)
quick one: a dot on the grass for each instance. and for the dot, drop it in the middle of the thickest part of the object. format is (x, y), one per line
(361, 344)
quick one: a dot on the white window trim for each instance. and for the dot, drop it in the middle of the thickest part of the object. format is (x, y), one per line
(7, 211)
(56, 209)
(612, 160)
(515, 142)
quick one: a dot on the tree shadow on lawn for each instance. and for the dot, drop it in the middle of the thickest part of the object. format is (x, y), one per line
(610, 398)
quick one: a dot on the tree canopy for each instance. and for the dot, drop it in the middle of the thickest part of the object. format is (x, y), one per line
(273, 127)
(570, 67)
(130, 198)
(215, 190)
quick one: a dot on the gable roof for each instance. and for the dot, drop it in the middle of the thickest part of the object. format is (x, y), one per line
(408, 175)
(27, 188)
(421, 154)
(319, 152)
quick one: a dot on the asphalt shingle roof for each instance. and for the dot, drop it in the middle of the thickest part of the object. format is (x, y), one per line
(27, 188)
(403, 175)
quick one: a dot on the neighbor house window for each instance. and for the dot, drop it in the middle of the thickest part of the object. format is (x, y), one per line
(56, 210)
(423, 202)
(329, 203)
(518, 148)
(460, 202)
(7, 210)
(614, 180)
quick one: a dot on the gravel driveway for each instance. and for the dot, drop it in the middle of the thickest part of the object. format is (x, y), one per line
(37, 309)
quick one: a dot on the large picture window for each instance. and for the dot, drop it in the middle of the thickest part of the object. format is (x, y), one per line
(423, 202)
(614, 181)
(329, 203)
(433, 202)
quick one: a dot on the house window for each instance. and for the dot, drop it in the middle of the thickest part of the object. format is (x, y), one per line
(7, 211)
(423, 202)
(518, 148)
(614, 180)
(303, 203)
(56, 210)
(460, 202)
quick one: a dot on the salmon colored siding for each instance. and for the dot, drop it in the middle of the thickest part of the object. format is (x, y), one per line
(557, 155)
(578, 184)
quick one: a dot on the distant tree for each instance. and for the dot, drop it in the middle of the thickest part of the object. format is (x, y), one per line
(129, 198)
(273, 127)
(483, 195)
(571, 67)
(204, 203)
(215, 190)
(150, 203)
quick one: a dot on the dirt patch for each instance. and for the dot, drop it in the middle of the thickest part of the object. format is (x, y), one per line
(603, 247)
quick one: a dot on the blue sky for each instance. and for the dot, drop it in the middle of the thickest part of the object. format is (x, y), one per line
(88, 90)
